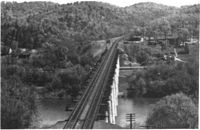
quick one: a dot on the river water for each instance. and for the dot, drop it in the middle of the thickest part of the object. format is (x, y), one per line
(49, 112)
(140, 106)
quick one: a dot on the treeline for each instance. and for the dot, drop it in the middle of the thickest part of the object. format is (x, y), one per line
(79, 21)
(162, 21)
(143, 54)
(49, 68)
(37, 22)
(165, 79)
(143, 13)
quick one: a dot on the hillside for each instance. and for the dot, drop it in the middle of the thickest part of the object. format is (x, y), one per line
(143, 13)
(85, 20)
(80, 20)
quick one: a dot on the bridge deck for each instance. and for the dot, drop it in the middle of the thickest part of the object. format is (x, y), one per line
(131, 67)
(84, 114)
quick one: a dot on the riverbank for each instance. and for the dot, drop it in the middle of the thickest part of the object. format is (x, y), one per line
(50, 111)
(126, 105)
(97, 125)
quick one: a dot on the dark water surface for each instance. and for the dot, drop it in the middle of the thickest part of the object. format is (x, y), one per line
(50, 111)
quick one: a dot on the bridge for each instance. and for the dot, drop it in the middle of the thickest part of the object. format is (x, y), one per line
(105, 80)
(131, 67)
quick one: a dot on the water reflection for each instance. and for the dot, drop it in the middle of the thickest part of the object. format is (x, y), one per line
(140, 106)
(50, 111)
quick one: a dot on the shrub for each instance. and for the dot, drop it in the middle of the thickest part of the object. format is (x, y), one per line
(175, 111)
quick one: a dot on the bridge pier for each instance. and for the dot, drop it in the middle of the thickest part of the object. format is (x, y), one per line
(113, 98)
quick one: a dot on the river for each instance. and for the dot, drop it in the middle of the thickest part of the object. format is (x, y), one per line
(140, 106)
(49, 112)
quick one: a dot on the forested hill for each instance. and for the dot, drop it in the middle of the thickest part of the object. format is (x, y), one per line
(143, 13)
(37, 22)
(28, 23)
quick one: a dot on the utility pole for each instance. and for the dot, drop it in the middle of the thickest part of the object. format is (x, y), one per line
(131, 118)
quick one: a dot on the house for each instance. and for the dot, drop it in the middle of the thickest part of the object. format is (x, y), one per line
(152, 42)
(191, 41)
(134, 39)
(170, 39)
(26, 53)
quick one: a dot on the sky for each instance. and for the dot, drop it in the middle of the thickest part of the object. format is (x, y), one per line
(123, 3)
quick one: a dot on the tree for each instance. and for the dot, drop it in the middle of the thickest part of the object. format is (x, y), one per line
(175, 111)
(164, 26)
(50, 57)
(150, 32)
(183, 34)
(186, 48)
(4, 50)
(142, 57)
(141, 86)
(18, 104)
(14, 45)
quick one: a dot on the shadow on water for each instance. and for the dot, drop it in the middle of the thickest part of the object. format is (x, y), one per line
(50, 111)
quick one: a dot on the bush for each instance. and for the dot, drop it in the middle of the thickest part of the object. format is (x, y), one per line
(143, 54)
(142, 58)
(37, 77)
(175, 111)
(162, 80)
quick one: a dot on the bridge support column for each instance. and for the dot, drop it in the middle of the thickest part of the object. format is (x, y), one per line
(107, 117)
(113, 102)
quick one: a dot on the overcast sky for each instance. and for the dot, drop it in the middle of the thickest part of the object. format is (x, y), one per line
(123, 3)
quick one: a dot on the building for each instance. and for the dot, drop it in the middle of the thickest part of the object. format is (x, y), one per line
(134, 39)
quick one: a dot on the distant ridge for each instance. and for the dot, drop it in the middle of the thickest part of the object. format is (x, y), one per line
(90, 19)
